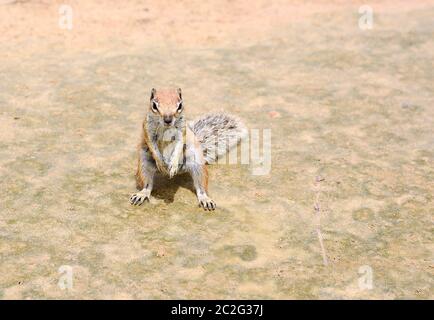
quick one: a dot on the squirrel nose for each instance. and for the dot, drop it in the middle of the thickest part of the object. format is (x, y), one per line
(167, 119)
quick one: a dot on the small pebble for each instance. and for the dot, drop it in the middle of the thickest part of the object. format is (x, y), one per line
(274, 114)
(406, 105)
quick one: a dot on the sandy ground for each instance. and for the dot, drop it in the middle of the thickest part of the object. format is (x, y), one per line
(351, 114)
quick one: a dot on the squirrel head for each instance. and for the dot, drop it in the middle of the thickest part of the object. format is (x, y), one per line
(166, 105)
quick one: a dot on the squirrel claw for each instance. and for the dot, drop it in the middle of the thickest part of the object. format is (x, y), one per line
(207, 204)
(161, 168)
(173, 171)
(173, 167)
(138, 198)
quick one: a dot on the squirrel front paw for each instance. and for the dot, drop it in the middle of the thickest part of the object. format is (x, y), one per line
(207, 203)
(161, 167)
(173, 168)
(138, 198)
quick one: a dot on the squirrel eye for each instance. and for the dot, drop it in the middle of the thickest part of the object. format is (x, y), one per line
(154, 106)
(179, 107)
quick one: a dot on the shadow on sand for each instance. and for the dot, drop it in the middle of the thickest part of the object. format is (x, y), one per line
(165, 188)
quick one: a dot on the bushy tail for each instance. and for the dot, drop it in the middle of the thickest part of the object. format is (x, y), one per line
(218, 133)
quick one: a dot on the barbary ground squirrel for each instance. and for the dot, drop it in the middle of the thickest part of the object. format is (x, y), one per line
(172, 146)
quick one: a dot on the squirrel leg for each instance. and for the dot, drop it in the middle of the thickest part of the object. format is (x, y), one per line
(195, 165)
(145, 178)
(199, 174)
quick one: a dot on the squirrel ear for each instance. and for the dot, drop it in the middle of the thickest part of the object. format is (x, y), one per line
(179, 93)
(153, 92)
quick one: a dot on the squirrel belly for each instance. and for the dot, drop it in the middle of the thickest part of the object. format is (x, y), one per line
(169, 141)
